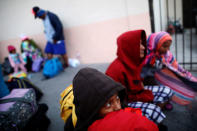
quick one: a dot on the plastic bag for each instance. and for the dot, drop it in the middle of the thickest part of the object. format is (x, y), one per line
(73, 62)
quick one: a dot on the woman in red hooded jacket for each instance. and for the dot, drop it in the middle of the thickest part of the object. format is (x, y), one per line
(126, 69)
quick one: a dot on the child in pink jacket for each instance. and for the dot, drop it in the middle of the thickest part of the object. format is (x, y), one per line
(16, 60)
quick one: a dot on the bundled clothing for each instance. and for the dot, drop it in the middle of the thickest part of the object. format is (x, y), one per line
(92, 89)
(154, 42)
(126, 69)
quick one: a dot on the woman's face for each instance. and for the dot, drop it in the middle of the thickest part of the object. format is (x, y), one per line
(113, 104)
(142, 48)
(165, 47)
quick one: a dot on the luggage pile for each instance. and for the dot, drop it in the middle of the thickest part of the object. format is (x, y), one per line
(20, 110)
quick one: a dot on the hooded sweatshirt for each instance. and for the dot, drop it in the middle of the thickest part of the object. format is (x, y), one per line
(126, 68)
(92, 89)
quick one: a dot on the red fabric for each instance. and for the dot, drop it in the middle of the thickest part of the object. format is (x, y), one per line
(11, 47)
(127, 66)
(134, 110)
(32, 11)
(123, 121)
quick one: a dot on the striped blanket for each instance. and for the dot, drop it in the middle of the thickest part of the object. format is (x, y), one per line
(183, 92)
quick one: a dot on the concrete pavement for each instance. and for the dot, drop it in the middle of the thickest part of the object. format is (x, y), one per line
(181, 118)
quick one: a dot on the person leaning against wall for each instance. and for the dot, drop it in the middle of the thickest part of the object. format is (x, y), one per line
(54, 33)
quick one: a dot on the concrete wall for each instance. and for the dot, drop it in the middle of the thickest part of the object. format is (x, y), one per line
(91, 27)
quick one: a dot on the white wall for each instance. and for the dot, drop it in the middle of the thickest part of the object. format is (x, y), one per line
(17, 17)
(80, 18)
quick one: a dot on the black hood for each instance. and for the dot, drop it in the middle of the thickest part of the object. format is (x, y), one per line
(91, 90)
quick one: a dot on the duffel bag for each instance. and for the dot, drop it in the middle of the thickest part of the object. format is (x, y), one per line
(16, 109)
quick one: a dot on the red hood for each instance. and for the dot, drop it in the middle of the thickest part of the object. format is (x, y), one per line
(129, 48)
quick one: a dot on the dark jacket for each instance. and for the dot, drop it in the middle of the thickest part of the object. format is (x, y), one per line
(57, 25)
(126, 68)
(92, 89)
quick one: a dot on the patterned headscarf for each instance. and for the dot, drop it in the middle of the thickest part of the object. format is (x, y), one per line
(156, 40)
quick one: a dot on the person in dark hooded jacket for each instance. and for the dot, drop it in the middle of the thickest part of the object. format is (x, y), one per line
(126, 69)
(98, 101)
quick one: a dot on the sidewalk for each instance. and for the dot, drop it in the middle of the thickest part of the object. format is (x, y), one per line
(181, 118)
(52, 89)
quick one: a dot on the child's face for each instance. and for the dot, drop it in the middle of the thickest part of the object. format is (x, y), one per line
(13, 52)
(142, 48)
(165, 47)
(113, 104)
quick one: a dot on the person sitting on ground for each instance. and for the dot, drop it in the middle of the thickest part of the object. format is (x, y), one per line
(16, 60)
(30, 49)
(159, 54)
(98, 101)
(166, 70)
(30, 52)
(126, 69)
